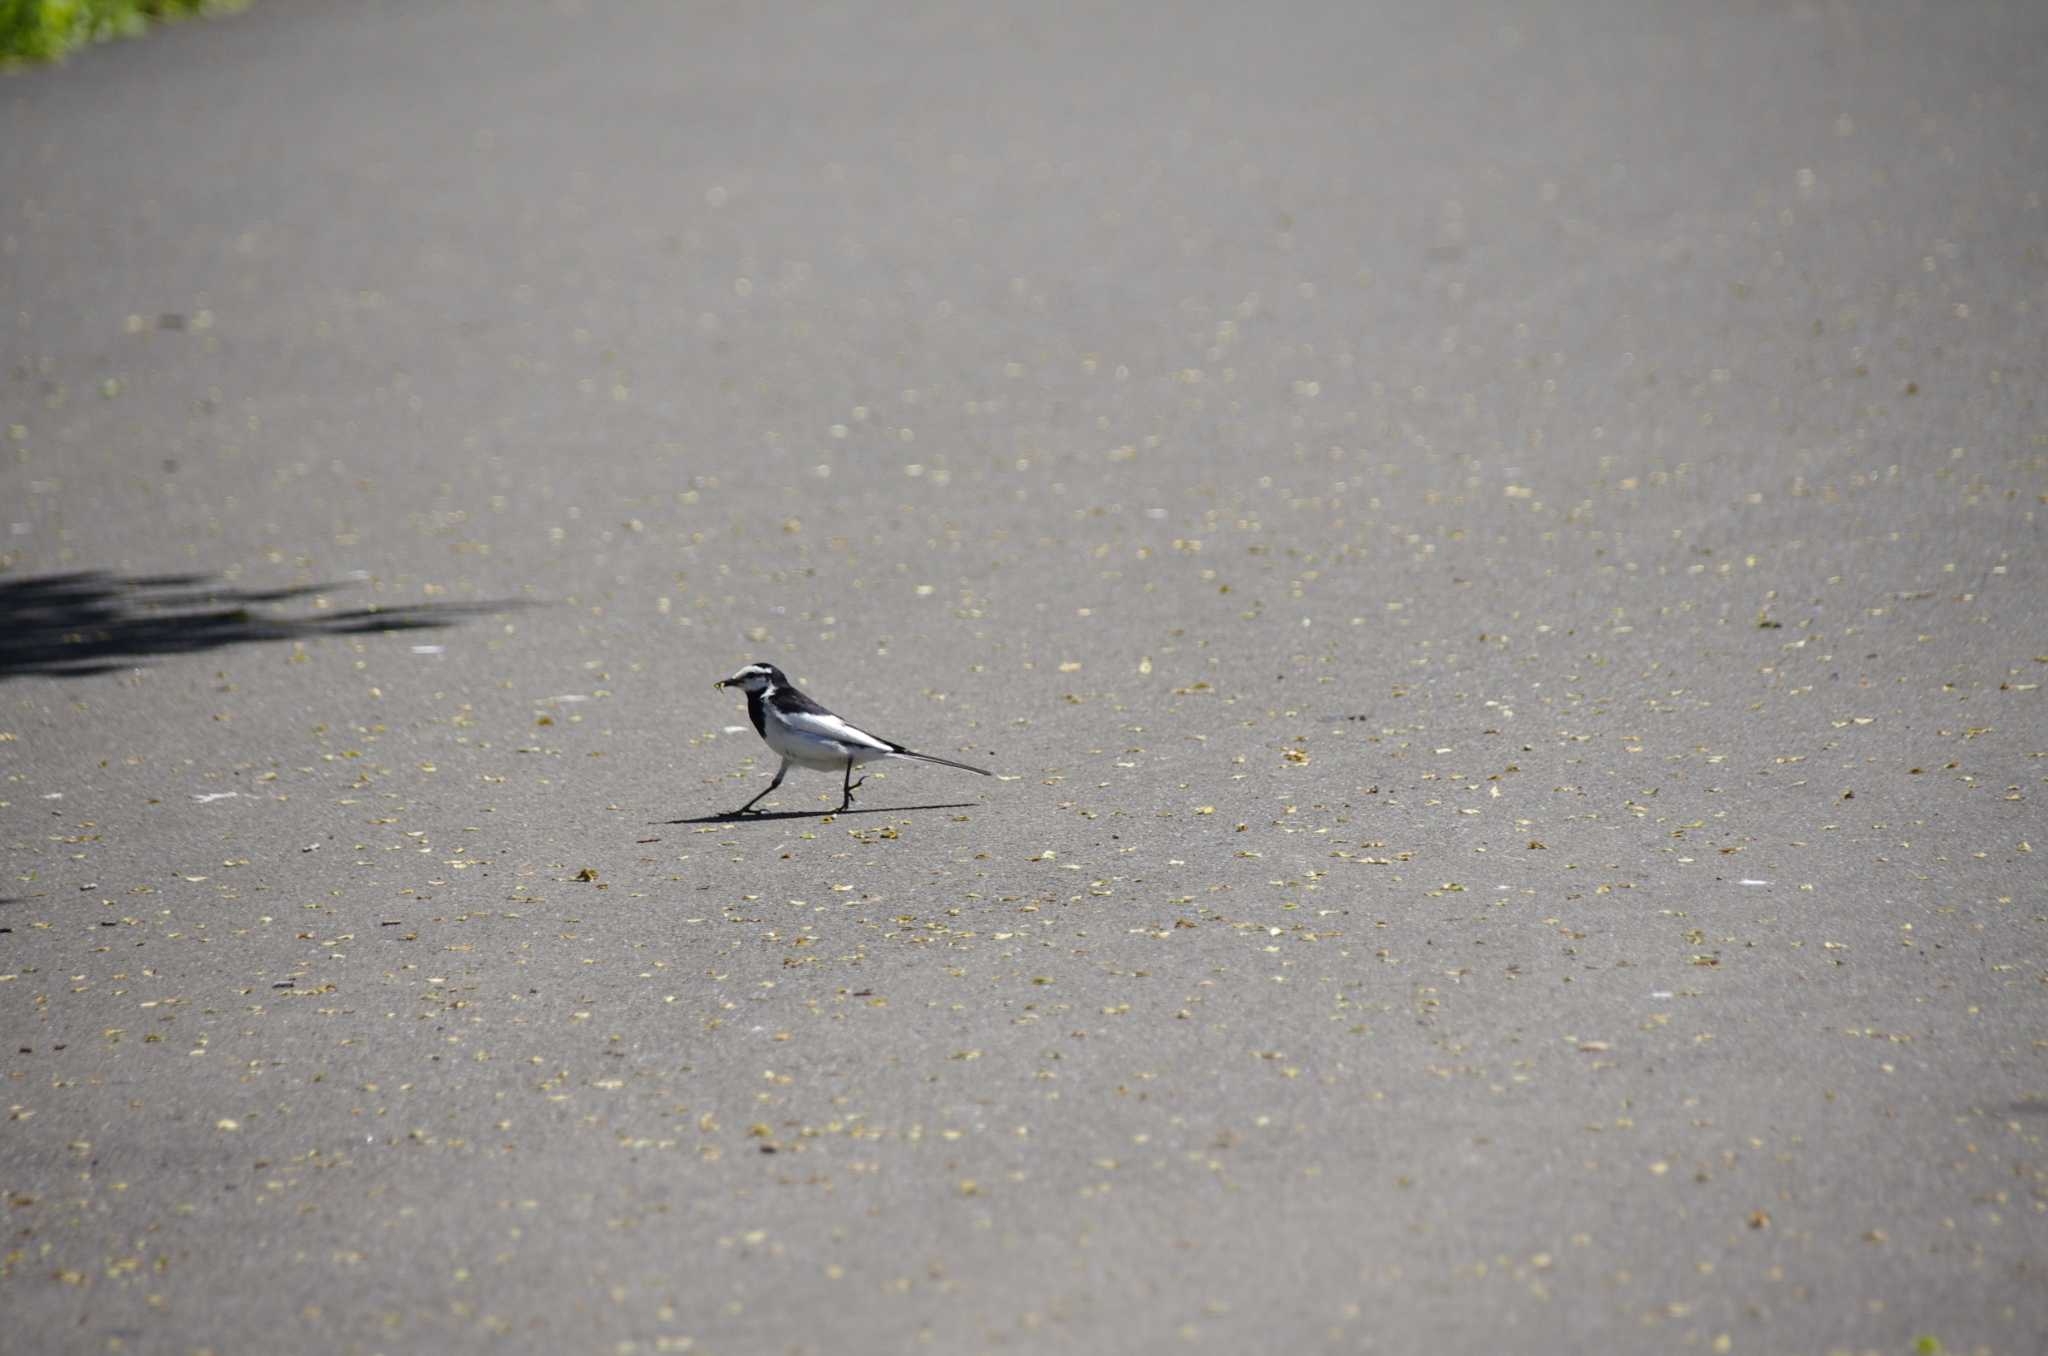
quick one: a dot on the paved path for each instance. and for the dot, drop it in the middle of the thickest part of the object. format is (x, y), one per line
(1498, 550)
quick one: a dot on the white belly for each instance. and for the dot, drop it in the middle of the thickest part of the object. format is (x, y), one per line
(818, 750)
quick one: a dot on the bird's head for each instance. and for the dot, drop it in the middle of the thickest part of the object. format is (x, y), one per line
(754, 678)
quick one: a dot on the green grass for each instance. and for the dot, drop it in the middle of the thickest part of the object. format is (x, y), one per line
(44, 30)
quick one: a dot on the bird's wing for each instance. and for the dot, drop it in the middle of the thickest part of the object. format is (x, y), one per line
(822, 724)
(791, 699)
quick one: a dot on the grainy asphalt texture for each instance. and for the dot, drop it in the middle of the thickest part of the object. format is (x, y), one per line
(1498, 552)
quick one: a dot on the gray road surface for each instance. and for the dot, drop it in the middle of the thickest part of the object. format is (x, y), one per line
(1498, 551)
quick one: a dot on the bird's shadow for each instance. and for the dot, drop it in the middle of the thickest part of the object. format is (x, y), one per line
(770, 816)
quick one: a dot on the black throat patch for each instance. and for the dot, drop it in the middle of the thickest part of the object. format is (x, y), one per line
(754, 712)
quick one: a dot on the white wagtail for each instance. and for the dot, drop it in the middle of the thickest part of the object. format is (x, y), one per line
(807, 735)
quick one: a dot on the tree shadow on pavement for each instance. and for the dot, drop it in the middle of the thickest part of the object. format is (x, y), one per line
(770, 816)
(85, 622)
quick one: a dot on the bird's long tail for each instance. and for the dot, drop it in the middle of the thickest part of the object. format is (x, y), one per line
(934, 758)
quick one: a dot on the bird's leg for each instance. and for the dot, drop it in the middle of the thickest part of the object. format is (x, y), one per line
(846, 799)
(780, 773)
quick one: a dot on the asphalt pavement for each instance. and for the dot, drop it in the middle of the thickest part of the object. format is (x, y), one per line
(1496, 552)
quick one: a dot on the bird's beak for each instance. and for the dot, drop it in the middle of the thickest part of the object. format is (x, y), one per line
(720, 683)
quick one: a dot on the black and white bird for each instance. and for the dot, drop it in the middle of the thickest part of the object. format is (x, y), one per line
(805, 734)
